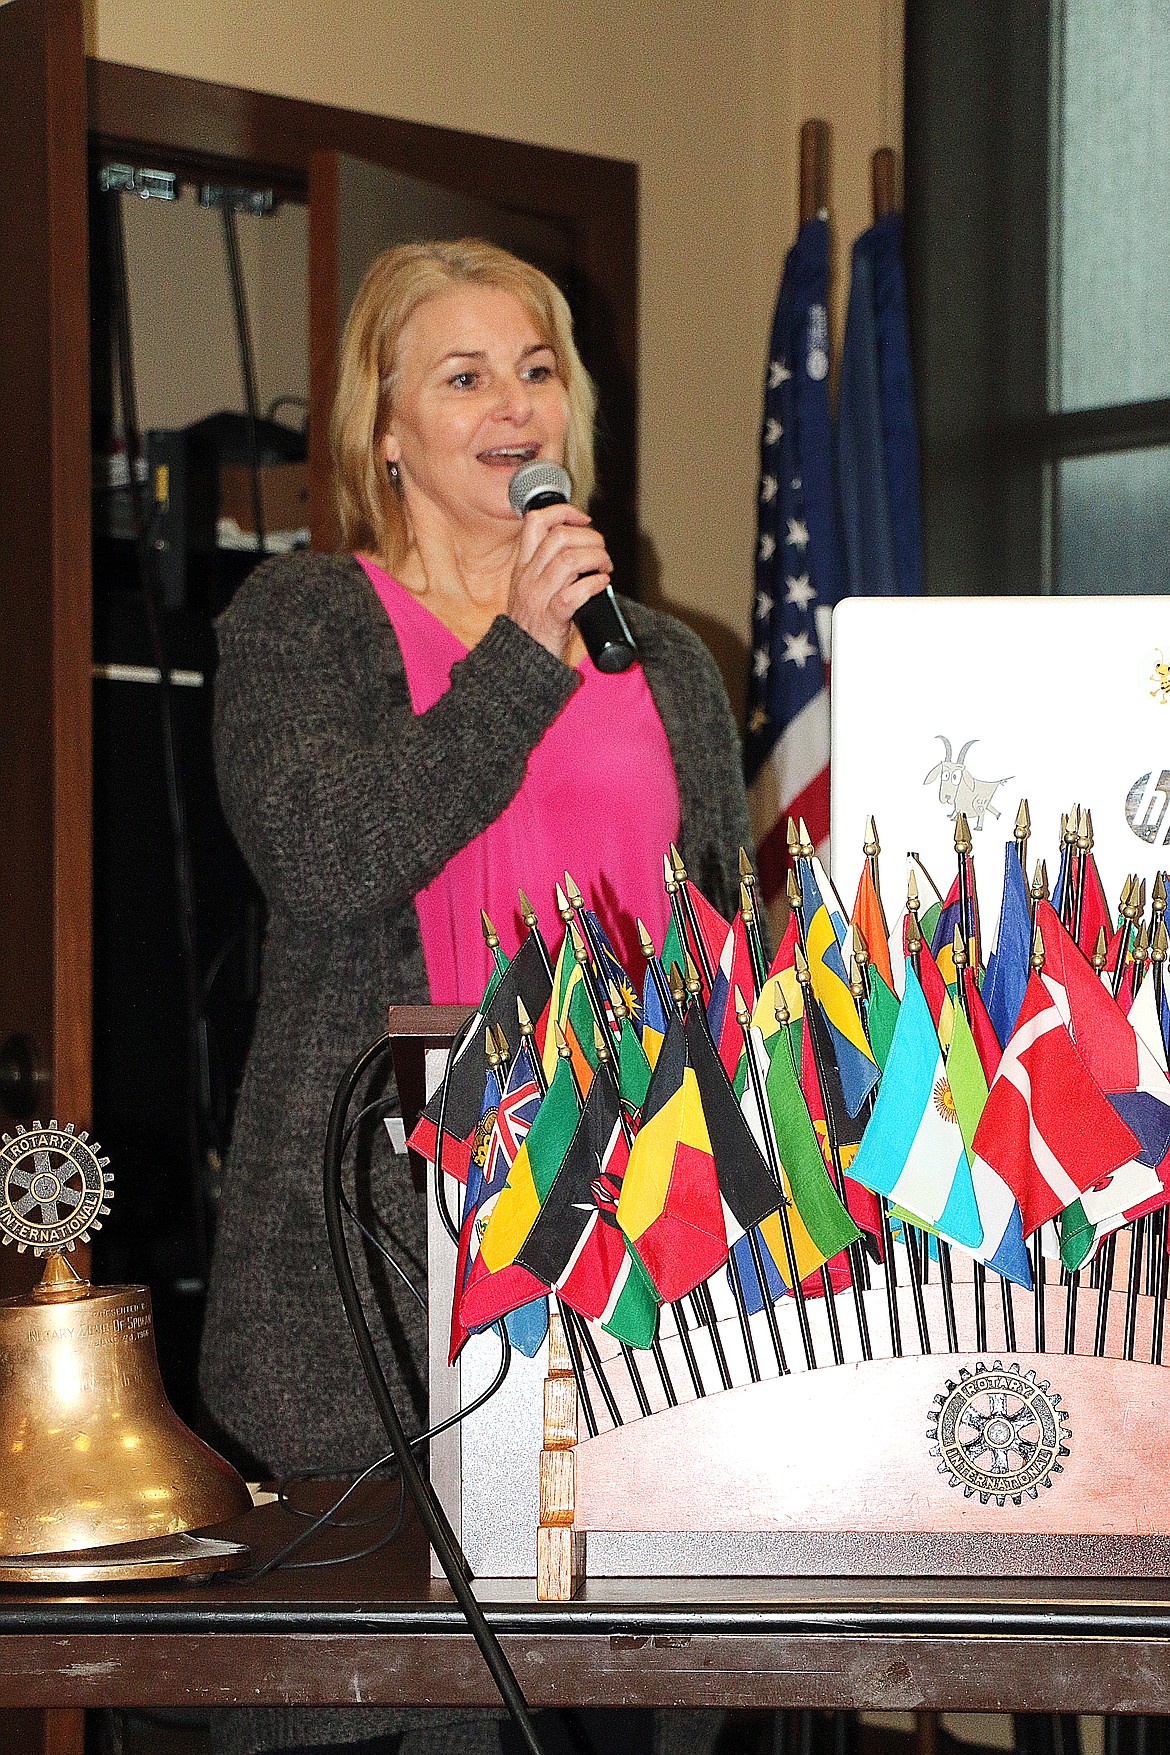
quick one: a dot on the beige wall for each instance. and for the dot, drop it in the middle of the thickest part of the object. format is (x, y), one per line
(706, 99)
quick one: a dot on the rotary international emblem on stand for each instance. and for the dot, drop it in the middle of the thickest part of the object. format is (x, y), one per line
(999, 1433)
(54, 1188)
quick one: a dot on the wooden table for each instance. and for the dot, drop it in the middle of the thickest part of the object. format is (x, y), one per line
(378, 1630)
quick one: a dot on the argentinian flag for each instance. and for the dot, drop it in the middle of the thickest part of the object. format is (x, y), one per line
(912, 1149)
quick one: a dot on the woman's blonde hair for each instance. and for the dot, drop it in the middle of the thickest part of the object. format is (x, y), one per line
(372, 515)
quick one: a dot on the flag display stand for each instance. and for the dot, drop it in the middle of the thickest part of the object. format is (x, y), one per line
(1034, 1446)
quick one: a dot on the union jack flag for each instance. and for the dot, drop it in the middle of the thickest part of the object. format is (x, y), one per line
(798, 570)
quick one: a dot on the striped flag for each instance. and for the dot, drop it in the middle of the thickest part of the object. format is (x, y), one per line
(798, 569)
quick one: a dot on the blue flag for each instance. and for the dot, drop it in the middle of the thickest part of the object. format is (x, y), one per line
(798, 568)
(1009, 963)
(877, 441)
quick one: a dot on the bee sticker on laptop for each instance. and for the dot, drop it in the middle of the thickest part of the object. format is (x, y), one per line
(1160, 677)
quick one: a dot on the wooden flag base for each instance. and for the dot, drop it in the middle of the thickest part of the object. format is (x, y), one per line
(995, 1464)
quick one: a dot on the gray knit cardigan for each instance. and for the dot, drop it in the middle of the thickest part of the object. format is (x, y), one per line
(345, 804)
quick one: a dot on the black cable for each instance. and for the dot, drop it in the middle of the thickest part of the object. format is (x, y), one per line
(449, 1224)
(200, 1128)
(231, 244)
(431, 1514)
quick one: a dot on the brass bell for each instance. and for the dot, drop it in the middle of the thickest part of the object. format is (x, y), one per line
(92, 1455)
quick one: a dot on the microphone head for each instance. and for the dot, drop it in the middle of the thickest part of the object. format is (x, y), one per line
(540, 484)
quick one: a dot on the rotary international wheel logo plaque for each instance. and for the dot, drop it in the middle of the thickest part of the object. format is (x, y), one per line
(54, 1188)
(998, 1432)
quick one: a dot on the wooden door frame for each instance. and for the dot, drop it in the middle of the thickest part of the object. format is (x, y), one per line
(45, 653)
(203, 129)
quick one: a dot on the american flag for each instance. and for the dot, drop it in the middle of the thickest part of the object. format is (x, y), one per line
(798, 570)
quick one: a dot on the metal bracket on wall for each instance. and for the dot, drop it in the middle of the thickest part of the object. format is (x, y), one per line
(258, 202)
(129, 180)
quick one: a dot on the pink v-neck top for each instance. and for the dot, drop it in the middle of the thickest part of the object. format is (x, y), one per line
(599, 798)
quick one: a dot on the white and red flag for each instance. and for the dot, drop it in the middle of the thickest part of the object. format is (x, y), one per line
(1047, 1128)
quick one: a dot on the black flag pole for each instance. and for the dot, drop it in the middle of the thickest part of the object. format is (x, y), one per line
(771, 1152)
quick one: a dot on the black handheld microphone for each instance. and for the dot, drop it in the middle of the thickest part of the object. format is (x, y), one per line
(600, 622)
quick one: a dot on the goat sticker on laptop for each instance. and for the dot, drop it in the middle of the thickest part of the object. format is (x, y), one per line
(958, 787)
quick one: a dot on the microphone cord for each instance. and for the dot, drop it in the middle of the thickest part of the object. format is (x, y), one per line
(431, 1514)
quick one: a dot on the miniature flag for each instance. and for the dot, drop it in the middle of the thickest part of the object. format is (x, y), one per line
(912, 1150)
(782, 980)
(655, 1017)
(745, 1182)
(815, 1044)
(819, 1225)
(633, 1070)
(1047, 1129)
(986, 1040)
(576, 1245)
(670, 1206)
(735, 970)
(1010, 962)
(1002, 1245)
(526, 978)
(567, 978)
(713, 930)
(467, 1247)
(851, 1051)
(497, 1141)
(1117, 1059)
(503, 1282)
(870, 920)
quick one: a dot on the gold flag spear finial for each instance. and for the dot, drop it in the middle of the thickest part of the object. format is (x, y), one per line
(871, 846)
(562, 1041)
(962, 833)
(1084, 830)
(1141, 896)
(676, 863)
(745, 903)
(1040, 882)
(668, 877)
(742, 1014)
(1141, 950)
(802, 970)
(913, 900)
(782, 1014)
(579, 951)
(694, 980)
(527, 911)
(646, 942)
(792, 835)
(1023, 828)
(1100, 952)
(913, 934)
(1160, 942)
(678, 987)
(1158, 895)
(1127, 906)
(806, 848)
(747, 873)
(574, 894)
(490, 936)
(859, 946)
(1065, 837)
(493, 1047)
(793, 888)
(1037, 948)
(526, 1024)
(620, 1008)
(600, 1044)
(856, 979)
(563, 909)
(959, 950)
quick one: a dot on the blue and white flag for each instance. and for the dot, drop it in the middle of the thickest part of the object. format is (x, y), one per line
(1006, 979)
(798, 569)
(912, 1150)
